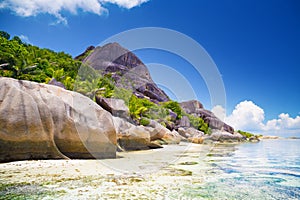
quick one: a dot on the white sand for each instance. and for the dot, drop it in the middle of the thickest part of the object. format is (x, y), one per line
(153, 174)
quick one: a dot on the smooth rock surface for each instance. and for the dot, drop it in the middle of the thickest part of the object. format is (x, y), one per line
(116, 107)
(131, 137)
(39, 121)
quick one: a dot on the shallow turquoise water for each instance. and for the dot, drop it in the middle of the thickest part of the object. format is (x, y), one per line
(269, 169)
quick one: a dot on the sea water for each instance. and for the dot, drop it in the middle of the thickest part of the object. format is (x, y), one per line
(269, 169)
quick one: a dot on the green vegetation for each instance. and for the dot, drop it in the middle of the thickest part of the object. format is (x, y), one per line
(175, 107)
(198, 123)
(246, 134)
(195, 121)
(144, 121)
(27, 62)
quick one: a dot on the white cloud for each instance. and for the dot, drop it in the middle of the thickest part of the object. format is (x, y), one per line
(26, 8)
(126, 3)
(219, 111)
(248, 116)
(25, 39)
(283, 121)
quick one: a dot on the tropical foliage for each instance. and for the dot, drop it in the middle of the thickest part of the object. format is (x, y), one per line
(24, 61)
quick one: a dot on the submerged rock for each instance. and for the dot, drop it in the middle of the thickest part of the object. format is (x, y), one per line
(40, 121)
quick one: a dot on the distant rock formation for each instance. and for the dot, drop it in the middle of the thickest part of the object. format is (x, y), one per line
(82, 56)
(40, 121)
(53, 81)
(223, 136)
(196, 108)
(126, 69)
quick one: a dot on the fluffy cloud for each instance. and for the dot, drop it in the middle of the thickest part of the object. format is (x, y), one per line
(28, 8)
(283, 121)
(246, 116)
(250, 117)
(219, 111)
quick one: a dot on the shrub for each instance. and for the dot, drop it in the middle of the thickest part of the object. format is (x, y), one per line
(175, 107)
(198, 123)
(246, 134)
(144, 121)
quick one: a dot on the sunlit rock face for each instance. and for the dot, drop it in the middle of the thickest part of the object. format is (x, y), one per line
(126, 69)
(39, 121)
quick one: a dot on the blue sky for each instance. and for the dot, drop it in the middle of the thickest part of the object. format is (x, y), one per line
(255, 45)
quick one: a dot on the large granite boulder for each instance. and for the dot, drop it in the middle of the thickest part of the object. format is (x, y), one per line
(172, 137)
(126, 69)
(191, 106)
(191, 134)
(40, 121)
(116, 107)
(157, 131)
(131, 137)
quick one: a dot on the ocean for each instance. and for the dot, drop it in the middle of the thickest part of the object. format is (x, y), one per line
(269, 169)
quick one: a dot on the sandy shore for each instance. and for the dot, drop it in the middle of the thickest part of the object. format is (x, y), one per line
(153, 174)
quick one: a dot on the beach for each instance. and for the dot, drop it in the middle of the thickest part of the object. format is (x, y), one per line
(186, 171)
(156, 174)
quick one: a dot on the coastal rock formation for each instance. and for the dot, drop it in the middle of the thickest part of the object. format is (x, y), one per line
(126, 69)
(157, 131)
(223, 136)
(194, 107)
(191, 106)
(172, 137)
(116, 107)
(39, 121)
(191, 134)
(131, 137)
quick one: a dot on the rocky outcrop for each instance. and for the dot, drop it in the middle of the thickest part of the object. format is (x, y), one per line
(184, 122)
(116, 107)
(195, 108)
(171, 137)
(53, 81)
(126, 69)
(223, 136)
(131, 137)
(191, 106)
(40, 121)
(82, 56)
(192, 135)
